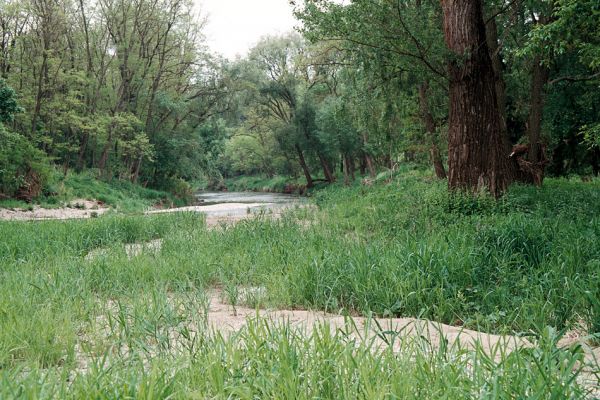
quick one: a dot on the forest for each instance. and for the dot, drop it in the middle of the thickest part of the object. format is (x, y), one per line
(127, 90)
(435, 232)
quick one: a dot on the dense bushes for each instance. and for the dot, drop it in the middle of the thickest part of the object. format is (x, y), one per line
(24, 170)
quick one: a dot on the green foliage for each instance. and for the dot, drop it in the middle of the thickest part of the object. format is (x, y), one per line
(591, 135)
(181, 190)
(278, 184)
(20, 162)
(8, 103)
(124, 196)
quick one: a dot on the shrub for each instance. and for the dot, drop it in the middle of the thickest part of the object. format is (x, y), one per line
(24, 170)
(181, 189)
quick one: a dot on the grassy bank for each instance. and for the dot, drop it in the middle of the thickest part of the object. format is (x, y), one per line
(276, 184)
(122, 195)
(400, 249)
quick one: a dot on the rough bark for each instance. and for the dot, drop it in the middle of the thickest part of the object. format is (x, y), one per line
(477, 148)
(498, 67)
(428, 121)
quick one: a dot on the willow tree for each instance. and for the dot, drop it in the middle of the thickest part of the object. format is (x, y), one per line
(398, 47)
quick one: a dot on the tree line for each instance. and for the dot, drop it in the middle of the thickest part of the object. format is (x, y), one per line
(117, 86)
(486, 92)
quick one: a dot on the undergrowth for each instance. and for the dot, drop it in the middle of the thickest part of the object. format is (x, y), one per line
(122, 195)
(277, 184)
(528, 264)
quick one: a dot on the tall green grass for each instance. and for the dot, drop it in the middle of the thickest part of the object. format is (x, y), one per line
(406, 248)
(279, 361)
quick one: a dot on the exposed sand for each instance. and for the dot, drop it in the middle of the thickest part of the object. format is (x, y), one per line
(216, 214)
(223, 208)
(224, 319)
(77, 209)
(221, 317)
(397, 330)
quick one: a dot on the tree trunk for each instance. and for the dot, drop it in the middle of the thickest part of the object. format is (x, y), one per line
(436, 156)
(368, 159)
(326, 169)
(477, 148)
(346, 169)
(595, 161)
(137, 168)
(40, 92)
(81, 155)
(540, 75)
(370, 165)
(105, 151)
(309, 180)
(498, 68)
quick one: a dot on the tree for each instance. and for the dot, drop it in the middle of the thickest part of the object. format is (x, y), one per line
(477, 148)
(23, 168)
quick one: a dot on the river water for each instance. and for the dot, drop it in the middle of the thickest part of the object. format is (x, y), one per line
(210, 198)
(235, 204)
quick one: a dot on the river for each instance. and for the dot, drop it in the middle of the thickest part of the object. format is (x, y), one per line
(239, 203)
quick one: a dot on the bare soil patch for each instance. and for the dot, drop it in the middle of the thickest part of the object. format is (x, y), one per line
(76, 209)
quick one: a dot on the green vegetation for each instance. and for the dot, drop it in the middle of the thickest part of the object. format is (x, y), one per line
(75, 326)
(121, 195)
(121, 102)
(278, 184)
(128, 90)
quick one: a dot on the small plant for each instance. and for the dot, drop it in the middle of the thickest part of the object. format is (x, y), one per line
(232, 295)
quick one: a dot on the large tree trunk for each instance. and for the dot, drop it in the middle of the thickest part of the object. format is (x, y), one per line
(309, 180)
(477, 148)
(436, 156)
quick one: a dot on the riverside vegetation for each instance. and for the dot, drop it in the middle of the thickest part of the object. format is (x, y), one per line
(120, 102)
(528, 265)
